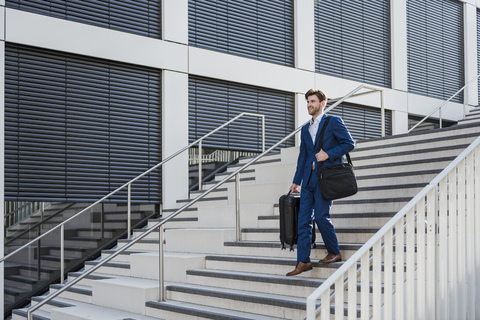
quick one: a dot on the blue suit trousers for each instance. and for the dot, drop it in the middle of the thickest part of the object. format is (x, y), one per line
(313, 205)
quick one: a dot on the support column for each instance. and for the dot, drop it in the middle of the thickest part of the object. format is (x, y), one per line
(304, 11)
(174, 108)
(304, 35)
(301, 115)
(175, 21)
(399, 122)
(174, 137)
(471, 52)
(399, 44)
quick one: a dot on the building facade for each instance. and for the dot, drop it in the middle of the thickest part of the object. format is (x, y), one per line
(96, 92)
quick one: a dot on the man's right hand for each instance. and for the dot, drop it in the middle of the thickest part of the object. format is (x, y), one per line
(294, 188)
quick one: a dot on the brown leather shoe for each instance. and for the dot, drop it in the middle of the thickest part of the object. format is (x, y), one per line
(301, 267)
(331, 257)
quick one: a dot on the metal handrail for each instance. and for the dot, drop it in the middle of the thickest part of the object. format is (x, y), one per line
(439, 108)
(36, 206)
(39, 223)
(160, 224)
(153, 228)
(128, 185)
(199, 141)
(311, 299)
(353, 94)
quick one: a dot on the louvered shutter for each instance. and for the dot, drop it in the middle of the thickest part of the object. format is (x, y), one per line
(352, 40)
(260, 30)
(214, 102)
(435, 48)
(77, 128)
(141, 17)
(363, 122)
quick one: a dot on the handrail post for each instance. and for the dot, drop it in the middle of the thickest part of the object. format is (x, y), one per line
(440, 117)
(129, 209)
(263, 133)
(200, 165)
(161, 267)
(237, 207)
(39, 244)
(382, 111)
(62, 253)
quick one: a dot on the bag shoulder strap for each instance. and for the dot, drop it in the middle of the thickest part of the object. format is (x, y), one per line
(322, 133)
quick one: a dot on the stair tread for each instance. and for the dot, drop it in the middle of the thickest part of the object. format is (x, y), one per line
(258, 277)
(206, 311)
(252, 297)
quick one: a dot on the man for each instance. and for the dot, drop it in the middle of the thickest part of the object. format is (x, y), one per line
(337, 142)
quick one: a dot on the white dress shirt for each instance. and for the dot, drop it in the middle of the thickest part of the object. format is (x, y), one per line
(313, 128)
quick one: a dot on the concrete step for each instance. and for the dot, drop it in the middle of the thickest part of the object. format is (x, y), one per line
(344, 235)
(256, 303)
(179, 310)
(411, 144)
(265, 161)
(353, 220)
(404, 166)
(432, 136)
(262, 283)
(368, 206)
(144, 265)
(197, 240)
(411, 155)
(66, 309)
(273, 250)
(269, 265)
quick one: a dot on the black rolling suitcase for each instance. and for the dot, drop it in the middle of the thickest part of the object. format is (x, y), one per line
(289, 205)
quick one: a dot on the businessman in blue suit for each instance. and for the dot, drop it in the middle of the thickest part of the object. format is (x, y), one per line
(336, 143)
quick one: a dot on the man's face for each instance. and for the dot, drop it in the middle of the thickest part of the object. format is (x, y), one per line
(314, 106)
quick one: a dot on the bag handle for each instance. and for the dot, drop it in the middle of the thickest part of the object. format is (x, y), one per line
(322, 133)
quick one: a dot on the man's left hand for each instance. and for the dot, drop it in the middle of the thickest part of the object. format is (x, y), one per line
(321, 156)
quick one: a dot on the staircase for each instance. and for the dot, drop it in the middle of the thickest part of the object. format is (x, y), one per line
(210, 275)
(30, 271)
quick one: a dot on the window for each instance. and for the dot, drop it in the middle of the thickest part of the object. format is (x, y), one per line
(214, 102)
(77, 128)
(260, 30)
(352, 40)
(435, 48)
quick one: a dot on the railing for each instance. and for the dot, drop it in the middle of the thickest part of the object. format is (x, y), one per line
(218, 155)
(127, 185)
(160, 224)
(354, 94)
(439, 108)
(39, 223)
(21, 211)
(424, 263)
(199, 141)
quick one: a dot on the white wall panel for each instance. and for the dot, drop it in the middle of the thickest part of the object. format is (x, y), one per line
(57, 34)
(399, 44)
(304, 35)
(2, 23)
(175, 137)
(471, 65)
(175, 21)
(238, 69)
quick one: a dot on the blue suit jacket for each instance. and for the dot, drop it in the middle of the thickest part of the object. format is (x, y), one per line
(337, 142)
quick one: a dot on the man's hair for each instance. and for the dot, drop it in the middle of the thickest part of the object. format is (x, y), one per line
(319, 93)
